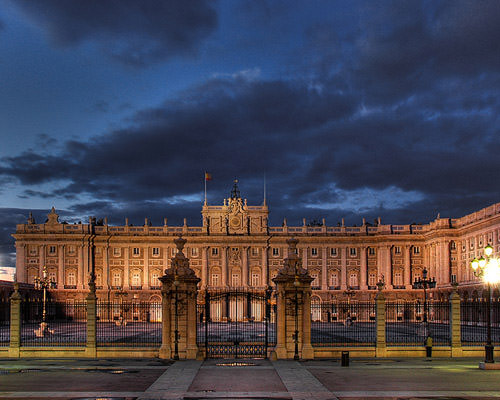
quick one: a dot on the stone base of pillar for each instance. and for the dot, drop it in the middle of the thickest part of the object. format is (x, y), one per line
(191, 353)
(91, 352)
(381, 352)
(281, 352)
(456, 352)
(14, 352)
(165, 353)
(307, 352)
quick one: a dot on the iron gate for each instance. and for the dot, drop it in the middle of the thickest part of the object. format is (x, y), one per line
(236, 323)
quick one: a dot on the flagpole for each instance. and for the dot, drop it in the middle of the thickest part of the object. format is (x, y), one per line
(205, 179)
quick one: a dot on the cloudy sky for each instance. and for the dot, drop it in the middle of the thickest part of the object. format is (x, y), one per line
(350, 109)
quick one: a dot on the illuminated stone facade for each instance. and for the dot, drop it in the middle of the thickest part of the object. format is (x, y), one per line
(235, 247)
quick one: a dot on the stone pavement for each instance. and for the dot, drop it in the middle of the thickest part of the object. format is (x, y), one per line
(151, 379)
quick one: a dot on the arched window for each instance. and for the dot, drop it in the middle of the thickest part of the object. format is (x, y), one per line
(372, 279)
(136, 278)
(398, 279)
(315, 282)
(71, 278)
(334, 279)
(117, 278)
(255, 279)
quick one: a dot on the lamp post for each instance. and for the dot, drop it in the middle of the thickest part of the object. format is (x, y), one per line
(349, 293)
(487, 268)
(44, 283)
(425, 283)
(296, 284)
(176, 319)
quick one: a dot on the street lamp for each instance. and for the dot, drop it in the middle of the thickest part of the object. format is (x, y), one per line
(176, 331)
(487, 268)
(425, 283)
(349, 293)
(296, 284)
(44, 283)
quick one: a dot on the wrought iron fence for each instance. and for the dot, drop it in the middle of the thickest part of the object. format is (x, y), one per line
(128, 324)
(4, 322)
(236, 323)
(65, 323)
(406, 325)
(343, 324)
(473, 317)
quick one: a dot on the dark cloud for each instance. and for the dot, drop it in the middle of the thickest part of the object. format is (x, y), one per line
(133, 32)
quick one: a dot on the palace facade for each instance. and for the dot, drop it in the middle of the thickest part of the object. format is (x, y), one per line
(235, 247)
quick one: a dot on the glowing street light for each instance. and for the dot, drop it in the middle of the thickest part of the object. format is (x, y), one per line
(487, 267)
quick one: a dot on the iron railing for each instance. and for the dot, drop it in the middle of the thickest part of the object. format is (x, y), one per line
(4, 322)
(473, 318)
(236, 323)
(406, 326)
(128, 324)
(343, 324)
(65, 323)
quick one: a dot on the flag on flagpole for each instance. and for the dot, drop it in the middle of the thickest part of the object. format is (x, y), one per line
(208, 177)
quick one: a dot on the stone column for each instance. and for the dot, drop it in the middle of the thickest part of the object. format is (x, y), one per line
(225, 277)
(126, 269)
(265, 265)
(294, 308)
(381, 344)
(80, 278)
(456, 338)
(445, 262)
(146, 268)
(91, 348)
(15, 322)
(105, 268)
(324, 269)
(343, 268)
(363, 269)
(179, 294)
(21, 262)
(42, 260)
(204, 267)
(60, 268)
(407, 266)
(244, 269)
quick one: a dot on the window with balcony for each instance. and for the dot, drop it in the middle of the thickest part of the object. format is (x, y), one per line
(215, 279)
(194, 252)
(353, 279)
(334, 280)
(235, 280)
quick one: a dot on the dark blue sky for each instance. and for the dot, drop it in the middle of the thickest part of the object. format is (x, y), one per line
(349, 108)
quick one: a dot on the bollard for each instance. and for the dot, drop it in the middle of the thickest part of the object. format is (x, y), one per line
(428, 347)
(345, 359)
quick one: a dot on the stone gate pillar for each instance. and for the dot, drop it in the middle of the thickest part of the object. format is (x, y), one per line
(179, 292)
(293, 285)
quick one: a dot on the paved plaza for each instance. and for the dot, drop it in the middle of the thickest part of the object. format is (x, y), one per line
(247, 379)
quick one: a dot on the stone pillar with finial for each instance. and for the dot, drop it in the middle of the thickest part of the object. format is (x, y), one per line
(15, 321)
(179, 294)
(381, 345)
(293, 285)
(91, 299)
(455, 328)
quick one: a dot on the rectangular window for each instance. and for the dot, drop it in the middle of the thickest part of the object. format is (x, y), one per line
(117, 251)
(52, 249)
(255, 251)
(398, 279)
(235, 280)
(276, 251)
(315, 282)
(215, 251)
(215, 279)
(353, 280)
(372, 280)
(194, 252)
(135, 251)
(371, 251)
(416, 250)
(33, 250)
(255, 280)
(334, 279)
(333, 251)
(397, 250)
(314, 251)
(156, 251)
(352, 251)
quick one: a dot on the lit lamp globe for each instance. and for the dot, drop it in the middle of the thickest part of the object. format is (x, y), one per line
(492, 272)
(488, 250)
(474, 264)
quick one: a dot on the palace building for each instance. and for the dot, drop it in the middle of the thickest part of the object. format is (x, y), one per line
(235, 247)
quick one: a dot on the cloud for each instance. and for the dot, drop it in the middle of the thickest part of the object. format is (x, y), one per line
(131, 32)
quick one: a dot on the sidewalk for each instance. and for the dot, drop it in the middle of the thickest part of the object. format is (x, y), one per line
(247, 379)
